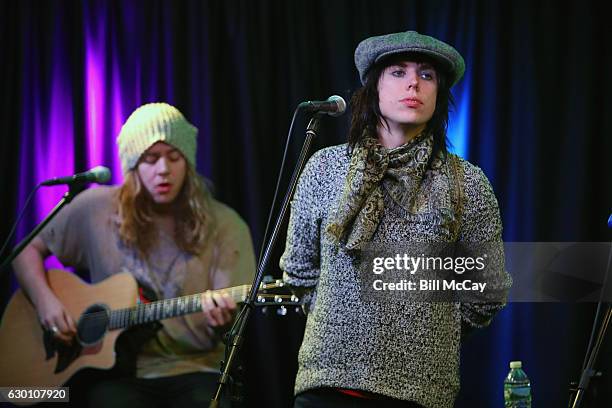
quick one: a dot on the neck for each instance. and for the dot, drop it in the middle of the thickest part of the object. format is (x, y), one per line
(163, 209)
(163, 217)
(398, 135)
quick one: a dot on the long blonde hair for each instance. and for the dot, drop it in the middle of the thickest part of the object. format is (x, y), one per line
(194, 222)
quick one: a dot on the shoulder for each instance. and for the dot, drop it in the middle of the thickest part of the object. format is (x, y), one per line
(73, 226)
(331, 156)
(226, 218)
(326, 165)
(96, 198)
(474, 178)
(482, 218)
(477, 189)
(322, 176)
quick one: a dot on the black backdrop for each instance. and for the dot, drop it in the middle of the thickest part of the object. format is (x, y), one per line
(537, 122)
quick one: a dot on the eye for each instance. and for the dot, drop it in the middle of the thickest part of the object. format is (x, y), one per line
(174, 155)
(398, 73)
(150, 158)
(428, 74)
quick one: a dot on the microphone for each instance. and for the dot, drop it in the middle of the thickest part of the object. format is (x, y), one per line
(333, 106)
(99, 174)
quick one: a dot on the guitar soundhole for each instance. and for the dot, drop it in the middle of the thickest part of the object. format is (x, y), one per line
(92, 325)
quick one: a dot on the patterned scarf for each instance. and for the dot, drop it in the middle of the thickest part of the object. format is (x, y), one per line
(373, 167)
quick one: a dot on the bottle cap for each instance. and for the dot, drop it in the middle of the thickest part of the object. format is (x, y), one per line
(516, 364)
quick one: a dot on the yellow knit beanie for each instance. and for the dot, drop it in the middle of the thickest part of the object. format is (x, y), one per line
(152, 123)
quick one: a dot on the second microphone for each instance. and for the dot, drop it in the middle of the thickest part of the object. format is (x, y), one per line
(333, 106)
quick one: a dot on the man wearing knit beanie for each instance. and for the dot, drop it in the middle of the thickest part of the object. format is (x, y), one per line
(163, 227)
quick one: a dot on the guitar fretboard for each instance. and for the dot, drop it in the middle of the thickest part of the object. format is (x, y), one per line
(167, 308)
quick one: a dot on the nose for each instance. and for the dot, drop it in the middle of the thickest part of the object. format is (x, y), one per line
(161, 167)
(412, 81)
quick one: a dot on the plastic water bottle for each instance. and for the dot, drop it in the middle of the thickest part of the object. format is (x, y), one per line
(517, 388)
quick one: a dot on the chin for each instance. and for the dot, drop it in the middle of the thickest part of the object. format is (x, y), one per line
(164, 199)
(413, 119)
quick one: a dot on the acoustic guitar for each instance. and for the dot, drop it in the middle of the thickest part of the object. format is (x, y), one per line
(31, 356)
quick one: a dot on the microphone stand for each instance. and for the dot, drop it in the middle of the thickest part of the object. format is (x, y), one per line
(70, 194)
(236, 334)
(588, 371)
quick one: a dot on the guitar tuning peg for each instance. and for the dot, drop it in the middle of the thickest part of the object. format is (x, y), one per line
(281, 311)
(264, 310)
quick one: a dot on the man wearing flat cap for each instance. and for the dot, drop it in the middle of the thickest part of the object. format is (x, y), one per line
(394, 182)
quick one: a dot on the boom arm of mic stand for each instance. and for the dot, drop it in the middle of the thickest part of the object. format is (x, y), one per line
(70, 194)
(236, 335)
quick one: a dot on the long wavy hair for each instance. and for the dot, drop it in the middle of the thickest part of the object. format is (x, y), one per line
(366, 115)
(194, 222)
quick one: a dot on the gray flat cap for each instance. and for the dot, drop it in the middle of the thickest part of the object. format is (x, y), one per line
(372, 49)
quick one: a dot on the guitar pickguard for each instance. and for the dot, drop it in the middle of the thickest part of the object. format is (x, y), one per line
(66, 353)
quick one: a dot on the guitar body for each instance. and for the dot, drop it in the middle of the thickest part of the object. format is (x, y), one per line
(31, 356)
(28, 357)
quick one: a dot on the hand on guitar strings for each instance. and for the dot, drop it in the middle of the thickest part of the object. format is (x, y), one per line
(55, 318)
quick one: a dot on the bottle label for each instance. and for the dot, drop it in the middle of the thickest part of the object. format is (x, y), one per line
(517, 396)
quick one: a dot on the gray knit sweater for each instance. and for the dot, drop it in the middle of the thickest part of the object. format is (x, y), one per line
(408, 351)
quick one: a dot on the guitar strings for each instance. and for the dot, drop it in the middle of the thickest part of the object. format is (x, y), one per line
(124, 315)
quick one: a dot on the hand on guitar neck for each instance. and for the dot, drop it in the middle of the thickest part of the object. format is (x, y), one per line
(218, 308)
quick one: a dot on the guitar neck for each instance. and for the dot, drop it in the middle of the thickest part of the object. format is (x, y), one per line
(168, 308)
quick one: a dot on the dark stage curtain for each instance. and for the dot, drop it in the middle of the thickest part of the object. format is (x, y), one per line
(533, 111)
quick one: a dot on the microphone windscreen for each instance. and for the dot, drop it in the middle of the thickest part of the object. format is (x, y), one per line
(340, 102)
(101, 174)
